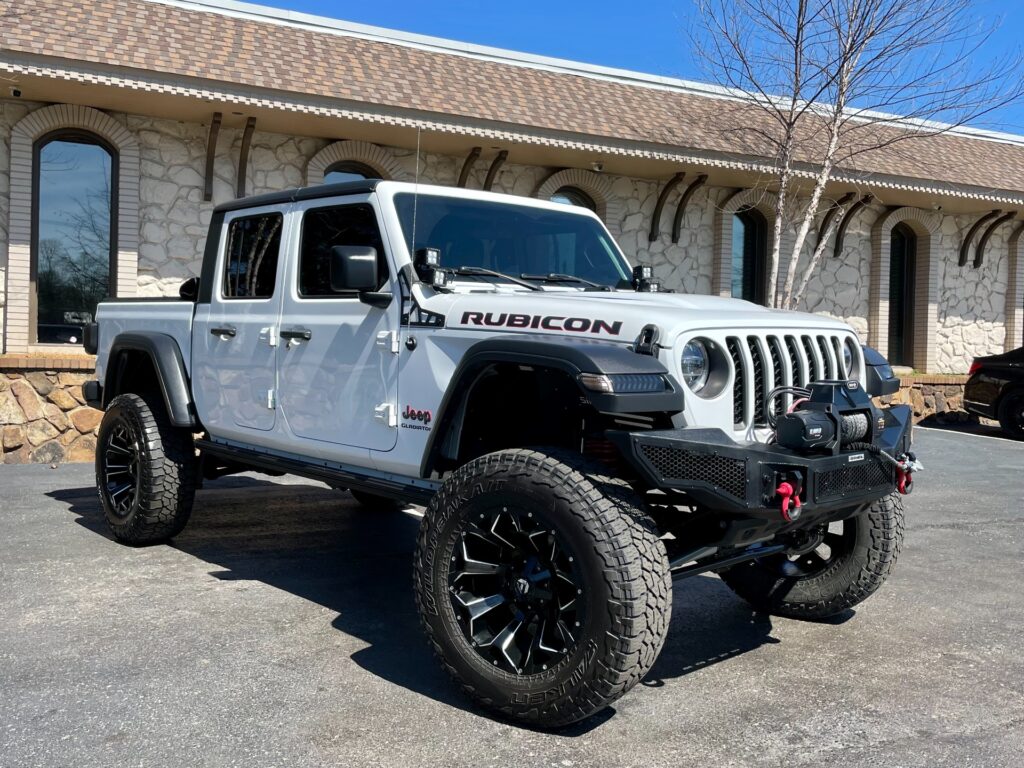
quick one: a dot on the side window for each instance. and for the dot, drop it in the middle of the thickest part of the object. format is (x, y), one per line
(254, 244)
(324, 228)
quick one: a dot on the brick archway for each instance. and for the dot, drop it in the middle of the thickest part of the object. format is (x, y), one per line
(925, 225)
(721, 268)
(379, 159)
(19, 255)
(598, 186)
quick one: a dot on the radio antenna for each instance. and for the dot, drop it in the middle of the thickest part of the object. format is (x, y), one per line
(415, 194)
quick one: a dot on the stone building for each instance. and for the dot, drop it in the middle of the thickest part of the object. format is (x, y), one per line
(124, 122)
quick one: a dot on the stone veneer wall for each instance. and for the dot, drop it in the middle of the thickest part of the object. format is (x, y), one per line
(932, 397)
(44, 418)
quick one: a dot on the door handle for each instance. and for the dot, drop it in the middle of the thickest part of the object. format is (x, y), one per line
(301, 334)
(228, 330)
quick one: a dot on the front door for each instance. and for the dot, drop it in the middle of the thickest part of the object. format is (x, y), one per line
(337, 363)
(234, 336)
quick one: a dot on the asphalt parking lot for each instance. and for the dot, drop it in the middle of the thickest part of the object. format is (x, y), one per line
(280, 630)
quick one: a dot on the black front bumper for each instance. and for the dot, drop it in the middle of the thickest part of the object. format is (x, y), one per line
(721, 474)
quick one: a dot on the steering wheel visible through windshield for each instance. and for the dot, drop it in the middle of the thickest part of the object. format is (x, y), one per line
(516, 240)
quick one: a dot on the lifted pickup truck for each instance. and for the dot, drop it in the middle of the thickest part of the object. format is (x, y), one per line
(578, 436)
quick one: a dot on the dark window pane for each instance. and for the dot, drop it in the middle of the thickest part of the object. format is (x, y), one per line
(574, 196)
(749, 256)
(514, 239)
(73, 231)
(902, 265)
(324, 228)
(253, 247)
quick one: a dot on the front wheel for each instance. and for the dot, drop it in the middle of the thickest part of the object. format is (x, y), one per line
(542, 585)
(146, 470)
(835, 567)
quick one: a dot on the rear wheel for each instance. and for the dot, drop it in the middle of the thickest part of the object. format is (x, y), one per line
(542, 586)
(832, 569)
(1011, 414)
(146, 470)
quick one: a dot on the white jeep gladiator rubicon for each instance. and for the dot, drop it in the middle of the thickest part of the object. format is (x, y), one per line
(578, 436)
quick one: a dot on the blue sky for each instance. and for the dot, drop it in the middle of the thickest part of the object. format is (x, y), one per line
(648, 36)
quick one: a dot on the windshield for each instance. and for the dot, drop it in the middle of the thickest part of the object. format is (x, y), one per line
(513, 239)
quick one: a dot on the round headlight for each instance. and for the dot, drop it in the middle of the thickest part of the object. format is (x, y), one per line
(694, 365)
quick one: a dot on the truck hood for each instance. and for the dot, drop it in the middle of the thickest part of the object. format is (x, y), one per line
(614, 316)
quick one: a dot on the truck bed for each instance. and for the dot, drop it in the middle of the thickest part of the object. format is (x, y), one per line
(172, 316)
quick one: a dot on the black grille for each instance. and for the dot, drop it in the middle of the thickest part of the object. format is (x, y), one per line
(842, 373)
(759, 394)
(799, 376)
(867, 475)
(738, 388)
(778, 372)
(812, 363)
(826, 358)
(681, 465)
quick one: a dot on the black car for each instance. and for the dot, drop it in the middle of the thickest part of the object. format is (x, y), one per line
(996, 390)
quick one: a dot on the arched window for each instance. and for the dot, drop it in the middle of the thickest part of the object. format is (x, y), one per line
(349, 170)
(749, 255)
(902, 268)
(74, 248)
(574, 196)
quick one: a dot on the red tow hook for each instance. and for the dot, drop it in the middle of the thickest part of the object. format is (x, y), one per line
(789, 495)
(904, 481)
(906, 466)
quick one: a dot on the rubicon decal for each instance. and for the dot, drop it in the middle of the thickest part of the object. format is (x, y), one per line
(545, 322)
(412, 415)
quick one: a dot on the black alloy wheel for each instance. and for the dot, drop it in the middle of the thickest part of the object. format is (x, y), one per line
(146, 470)
(121, 469)
(516, 591)
(542, 584)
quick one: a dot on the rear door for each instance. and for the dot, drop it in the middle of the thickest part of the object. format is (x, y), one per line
(338, 360)
(234, 337)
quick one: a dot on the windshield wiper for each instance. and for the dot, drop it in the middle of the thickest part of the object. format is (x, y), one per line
(555, 277)
(482, 272)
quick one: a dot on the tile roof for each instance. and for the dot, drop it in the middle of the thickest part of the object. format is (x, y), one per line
(225, 48)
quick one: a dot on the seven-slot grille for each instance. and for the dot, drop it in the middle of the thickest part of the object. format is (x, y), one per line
(762, 363)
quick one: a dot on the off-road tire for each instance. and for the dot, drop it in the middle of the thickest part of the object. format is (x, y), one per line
(850, 580)
(1010, 418)
(627, 584)
(375, 503)
(166, 474)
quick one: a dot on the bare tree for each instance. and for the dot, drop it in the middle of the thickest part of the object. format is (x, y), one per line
(818, 83)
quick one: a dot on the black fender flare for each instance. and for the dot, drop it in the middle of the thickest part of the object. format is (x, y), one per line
(169, 365)
(568, 356)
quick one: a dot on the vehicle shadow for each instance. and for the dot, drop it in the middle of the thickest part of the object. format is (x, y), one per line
(320, 545)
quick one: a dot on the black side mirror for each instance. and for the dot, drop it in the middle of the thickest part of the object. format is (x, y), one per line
(354, 268)
(879, 378)
(189, 290)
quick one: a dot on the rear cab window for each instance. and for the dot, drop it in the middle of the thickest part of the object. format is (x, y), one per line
(252, 253)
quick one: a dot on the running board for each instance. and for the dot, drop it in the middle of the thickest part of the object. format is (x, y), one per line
(412, 490)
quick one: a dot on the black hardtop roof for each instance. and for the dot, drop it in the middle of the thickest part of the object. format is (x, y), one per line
(362, 186)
